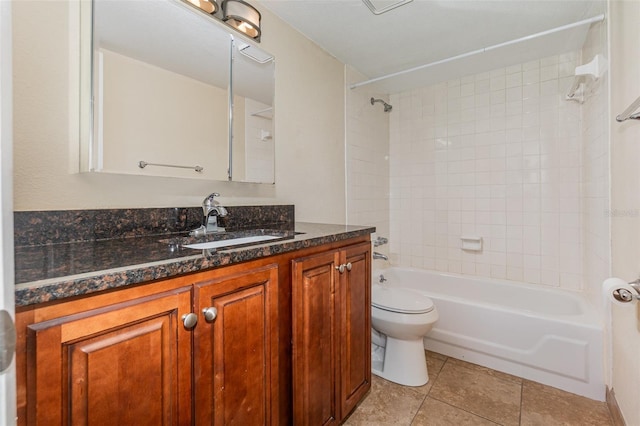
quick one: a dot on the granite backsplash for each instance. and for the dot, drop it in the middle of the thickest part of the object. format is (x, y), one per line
(67, 226)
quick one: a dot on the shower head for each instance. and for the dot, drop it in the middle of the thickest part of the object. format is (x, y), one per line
(387, 107)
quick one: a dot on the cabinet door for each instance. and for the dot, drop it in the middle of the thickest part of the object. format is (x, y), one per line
(315, 315)
(236, 352)
(355, 327)
(128, 363)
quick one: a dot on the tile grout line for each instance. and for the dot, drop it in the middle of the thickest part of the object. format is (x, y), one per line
(451, 405)
(437, 378)
(467, 411)
(419, 407)
(521, 398)
(426, 395)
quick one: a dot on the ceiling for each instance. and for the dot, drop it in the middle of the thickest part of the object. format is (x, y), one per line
(425, 31)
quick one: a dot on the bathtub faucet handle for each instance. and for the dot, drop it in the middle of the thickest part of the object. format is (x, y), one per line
(382, 279)
(380, 241)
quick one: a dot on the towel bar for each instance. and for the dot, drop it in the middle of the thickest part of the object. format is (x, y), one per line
(143, 164)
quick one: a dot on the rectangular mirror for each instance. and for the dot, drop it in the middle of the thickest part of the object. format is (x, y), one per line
(253, 139)
(156, 93)
(161, 77)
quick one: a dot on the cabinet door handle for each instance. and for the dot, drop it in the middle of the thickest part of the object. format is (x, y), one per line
(340, 268)
(210, 313)
(348, 266)
(189, 320)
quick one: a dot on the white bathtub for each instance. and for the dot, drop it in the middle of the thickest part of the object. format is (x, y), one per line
(546, 335)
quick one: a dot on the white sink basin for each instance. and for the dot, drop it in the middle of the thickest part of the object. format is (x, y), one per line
(232, 242)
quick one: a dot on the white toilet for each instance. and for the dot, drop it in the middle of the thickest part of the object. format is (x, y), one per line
(400, 318)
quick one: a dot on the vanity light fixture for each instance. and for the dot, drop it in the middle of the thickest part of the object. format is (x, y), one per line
(209, 6)
(243, 17)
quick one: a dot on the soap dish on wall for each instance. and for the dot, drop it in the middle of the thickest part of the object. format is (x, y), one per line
(471, 243)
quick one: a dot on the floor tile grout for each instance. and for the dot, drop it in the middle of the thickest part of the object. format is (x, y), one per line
(418, 405)
(466, 411)
(521, 399)
(427, 395)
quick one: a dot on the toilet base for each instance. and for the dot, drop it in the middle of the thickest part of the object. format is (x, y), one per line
(404, 362)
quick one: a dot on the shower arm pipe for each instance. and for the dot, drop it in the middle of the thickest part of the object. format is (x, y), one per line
(589, 21)
(387, 107)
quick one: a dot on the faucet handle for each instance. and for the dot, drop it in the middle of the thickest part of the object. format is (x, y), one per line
(380, 241)
(208, 201)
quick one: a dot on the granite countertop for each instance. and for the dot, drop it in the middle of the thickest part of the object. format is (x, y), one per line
(56, 271)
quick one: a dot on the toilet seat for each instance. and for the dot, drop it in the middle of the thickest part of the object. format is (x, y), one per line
(400, 300)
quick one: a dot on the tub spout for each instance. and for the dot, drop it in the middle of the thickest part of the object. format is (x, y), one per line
(377, 255)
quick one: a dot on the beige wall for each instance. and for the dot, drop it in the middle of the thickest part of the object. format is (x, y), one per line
(625, 201)
(131, 131)
(310, 165)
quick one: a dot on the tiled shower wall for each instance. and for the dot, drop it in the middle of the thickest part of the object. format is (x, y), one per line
(495, 155)
(367, 160)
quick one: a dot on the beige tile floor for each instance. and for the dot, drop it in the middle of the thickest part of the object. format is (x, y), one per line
(460, 393)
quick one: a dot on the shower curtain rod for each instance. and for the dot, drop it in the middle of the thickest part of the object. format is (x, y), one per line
(598, 18)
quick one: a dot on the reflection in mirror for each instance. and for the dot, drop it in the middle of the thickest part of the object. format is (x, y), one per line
(160, 90)
(253, 141)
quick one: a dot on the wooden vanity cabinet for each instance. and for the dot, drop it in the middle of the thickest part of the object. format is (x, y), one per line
(140, 362)
(355, 332)
(125, 356)
(234, 361)
(331, 299)
(128, 363)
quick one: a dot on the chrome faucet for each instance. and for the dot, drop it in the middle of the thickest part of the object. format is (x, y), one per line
(210, 214)
(209, 208)
(377, 255)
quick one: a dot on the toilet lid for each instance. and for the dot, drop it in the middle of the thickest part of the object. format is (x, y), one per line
(400, 300)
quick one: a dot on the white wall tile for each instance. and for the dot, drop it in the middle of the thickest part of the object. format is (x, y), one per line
(504, 162)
